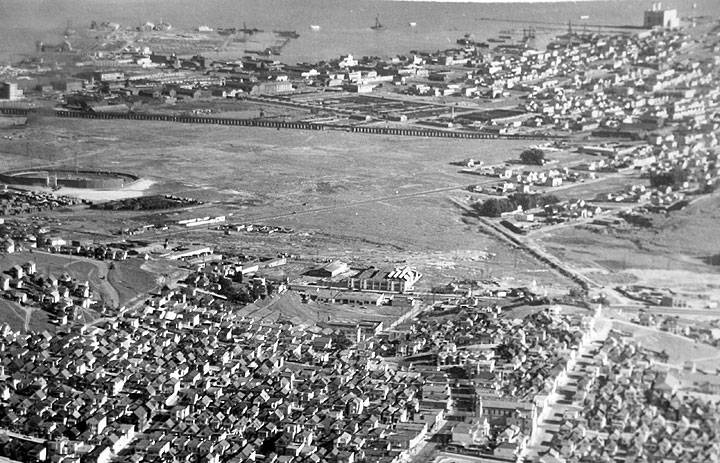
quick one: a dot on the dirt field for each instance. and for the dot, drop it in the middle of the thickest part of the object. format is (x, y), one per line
(676, 253)
(368, 198)
(288, 306)
(679, 348)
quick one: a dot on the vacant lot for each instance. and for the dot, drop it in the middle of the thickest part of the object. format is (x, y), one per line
(675, 253)
(679, 348)
(289, 306)
(370, 198)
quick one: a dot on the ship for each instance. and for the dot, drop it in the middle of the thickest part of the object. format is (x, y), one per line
(314, 27)
(412, 24)
(377, 26)
(250, 31)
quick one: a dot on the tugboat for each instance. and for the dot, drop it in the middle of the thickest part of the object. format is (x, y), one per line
(378, 26)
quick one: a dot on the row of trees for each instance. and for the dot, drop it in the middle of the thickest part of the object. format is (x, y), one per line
(673, 178)
(494, 207)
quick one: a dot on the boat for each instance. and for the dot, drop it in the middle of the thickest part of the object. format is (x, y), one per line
(505, 36)
(287, 34)
(314, 27)
(377, 26)
(412, 24)
(494, 40)
(583, 17)
(250, 31)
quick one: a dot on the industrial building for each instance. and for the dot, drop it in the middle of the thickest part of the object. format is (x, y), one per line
(396, 280)
(333, 269)
(332, 296)
(657, 17)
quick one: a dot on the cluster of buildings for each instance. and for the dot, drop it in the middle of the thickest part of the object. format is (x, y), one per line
(18, 202)
(497, 373)
(17, 239)
(182, 376)
(632, 412)
(662, 297)
(623, 85)
(706, 334)
(523, 181)
(62, 297)
(257, 228)
(551, 214)
(339, 275)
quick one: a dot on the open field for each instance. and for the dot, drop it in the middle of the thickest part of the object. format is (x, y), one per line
(12, 314)
(288, 306)
(679, 348)
(357, 197)
(676, 253)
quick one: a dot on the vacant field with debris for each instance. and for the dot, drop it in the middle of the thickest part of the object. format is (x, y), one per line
(363, 197)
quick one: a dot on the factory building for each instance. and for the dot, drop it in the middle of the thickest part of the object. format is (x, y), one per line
(396, 280)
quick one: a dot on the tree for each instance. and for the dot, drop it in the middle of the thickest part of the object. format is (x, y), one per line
(533, 156)
(673, 178)
(531, 201)
(495, 206)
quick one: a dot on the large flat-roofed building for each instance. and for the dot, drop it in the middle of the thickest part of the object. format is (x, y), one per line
(332, 296)
(395, 280)
(333, 269)
(657, 17)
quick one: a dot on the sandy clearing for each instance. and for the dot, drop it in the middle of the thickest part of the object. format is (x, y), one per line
(135, 190)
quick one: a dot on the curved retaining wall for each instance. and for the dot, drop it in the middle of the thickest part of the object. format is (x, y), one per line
(106, 180)
(413, 132)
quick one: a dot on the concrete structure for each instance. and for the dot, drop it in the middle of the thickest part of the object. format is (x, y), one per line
(657, 17)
